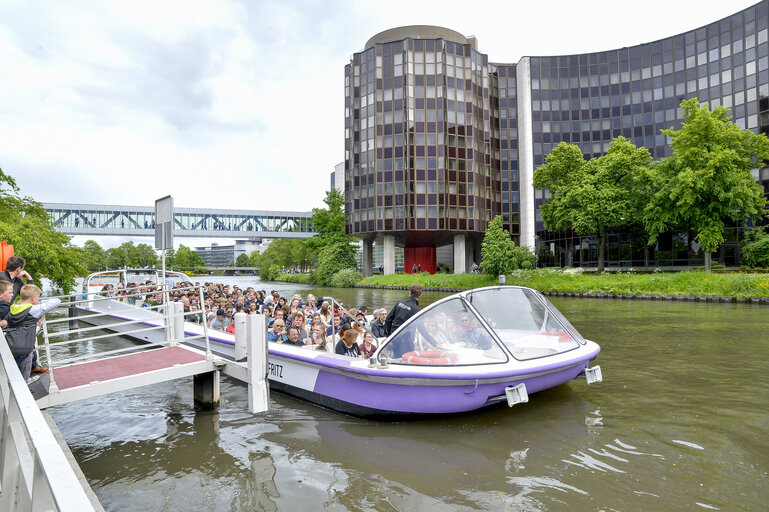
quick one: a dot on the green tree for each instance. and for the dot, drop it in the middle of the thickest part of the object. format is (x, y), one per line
(241, 260)
(755, 248)
(328, 222)
(25, 224)
(707, 180)
(593, 196)
(143, 255)
(170, 258)
(94, 257)
(331, 260)
(187, 258)
(497, 249)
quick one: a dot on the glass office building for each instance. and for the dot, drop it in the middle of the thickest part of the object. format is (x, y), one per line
(439, 139)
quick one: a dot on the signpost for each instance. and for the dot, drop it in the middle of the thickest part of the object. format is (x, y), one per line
(164, 235)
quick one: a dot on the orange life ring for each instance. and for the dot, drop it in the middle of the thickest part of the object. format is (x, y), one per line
(432, 357)
(562, 336)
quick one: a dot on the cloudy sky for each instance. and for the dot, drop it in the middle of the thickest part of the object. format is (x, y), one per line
(233, 103)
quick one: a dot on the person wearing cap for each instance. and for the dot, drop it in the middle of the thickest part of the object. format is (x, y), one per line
(378, 328)
(360, 316)
(221, 321)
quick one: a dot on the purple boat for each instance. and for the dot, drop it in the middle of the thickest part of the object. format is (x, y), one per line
(471, 350)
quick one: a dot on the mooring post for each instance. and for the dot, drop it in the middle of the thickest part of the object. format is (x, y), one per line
(241, 336)
(72, 310)
(258, 386)
(206, 391)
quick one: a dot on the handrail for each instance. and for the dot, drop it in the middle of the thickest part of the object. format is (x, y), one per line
(34, 472)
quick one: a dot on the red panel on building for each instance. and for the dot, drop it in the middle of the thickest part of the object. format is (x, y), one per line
(423, 257)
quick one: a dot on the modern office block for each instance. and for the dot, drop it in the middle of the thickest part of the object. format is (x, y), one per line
(440, 138)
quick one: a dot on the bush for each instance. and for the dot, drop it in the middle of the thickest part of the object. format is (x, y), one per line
(270, 273)
(755, 248)
(443, 268)
(331, 260)
(346, 278)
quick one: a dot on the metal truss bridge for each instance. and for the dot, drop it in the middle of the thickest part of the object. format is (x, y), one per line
(91, 219)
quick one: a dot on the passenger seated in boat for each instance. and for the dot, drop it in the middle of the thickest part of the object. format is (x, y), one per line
(337, 325)
(221, 321)
(347, 345)
(278, 332)
(293, 337)
(317, 337)
(368, 347)
(297, 320)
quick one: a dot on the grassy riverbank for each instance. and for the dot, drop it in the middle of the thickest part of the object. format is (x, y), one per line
(689, 282)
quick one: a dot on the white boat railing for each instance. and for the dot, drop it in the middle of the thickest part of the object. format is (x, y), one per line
(34, 471)
(173, 333)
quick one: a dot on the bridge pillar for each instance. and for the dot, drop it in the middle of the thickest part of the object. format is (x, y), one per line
(367, 257)
(389, 254)
(206, 391)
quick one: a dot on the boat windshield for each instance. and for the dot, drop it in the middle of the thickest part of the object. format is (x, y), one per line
(448, 334)
(527, 323)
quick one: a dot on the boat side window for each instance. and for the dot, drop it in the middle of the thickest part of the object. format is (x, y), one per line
(448, 334)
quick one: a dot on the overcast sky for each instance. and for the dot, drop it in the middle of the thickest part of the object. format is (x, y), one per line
(240, 103)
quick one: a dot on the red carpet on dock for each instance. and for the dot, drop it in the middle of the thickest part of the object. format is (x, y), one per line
(123, 366)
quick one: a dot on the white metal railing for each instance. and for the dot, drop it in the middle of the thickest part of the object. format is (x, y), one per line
(173, 330)
(34, 472)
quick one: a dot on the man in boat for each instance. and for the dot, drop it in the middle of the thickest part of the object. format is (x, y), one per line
(378, 328)
(402, 311)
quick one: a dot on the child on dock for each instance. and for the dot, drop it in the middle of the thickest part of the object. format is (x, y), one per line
(21, 332)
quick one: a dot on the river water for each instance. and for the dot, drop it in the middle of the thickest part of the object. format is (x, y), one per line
(681, 422)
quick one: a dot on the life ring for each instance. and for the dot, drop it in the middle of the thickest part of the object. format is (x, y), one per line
(431, 357)
(562, 336)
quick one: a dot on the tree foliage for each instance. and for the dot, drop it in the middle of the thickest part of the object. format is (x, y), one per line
(284, 253)
(25, 225)
(328, 223)
(130, 255)
(593, 196)
(94, 257)
(755, 248)
(331, 260)
(499, 254)
(184, 257)
(707, 180)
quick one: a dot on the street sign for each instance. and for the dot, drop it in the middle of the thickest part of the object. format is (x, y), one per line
(164, 223)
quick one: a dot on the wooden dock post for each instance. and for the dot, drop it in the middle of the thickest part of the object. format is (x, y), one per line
(206, 391)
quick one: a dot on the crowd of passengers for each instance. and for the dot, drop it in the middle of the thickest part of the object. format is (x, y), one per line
(296, 321)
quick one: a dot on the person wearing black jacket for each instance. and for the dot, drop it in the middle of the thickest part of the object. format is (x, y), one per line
(403, 310)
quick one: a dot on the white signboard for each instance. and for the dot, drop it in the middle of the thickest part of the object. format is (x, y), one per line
(164, 223)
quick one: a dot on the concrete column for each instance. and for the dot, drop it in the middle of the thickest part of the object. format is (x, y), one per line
(389, 254)
(469, 253)
(206, 391)
(460, 254)
(525, 152)
(367, 257)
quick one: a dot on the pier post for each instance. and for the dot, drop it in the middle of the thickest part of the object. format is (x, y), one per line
(72, 310)
(241, 336)
(177, 323)
(206, 391)
(258, 386)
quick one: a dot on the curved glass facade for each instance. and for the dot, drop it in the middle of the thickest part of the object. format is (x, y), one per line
(439, 140)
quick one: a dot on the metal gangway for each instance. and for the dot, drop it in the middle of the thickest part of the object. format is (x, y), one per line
(34, 472)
